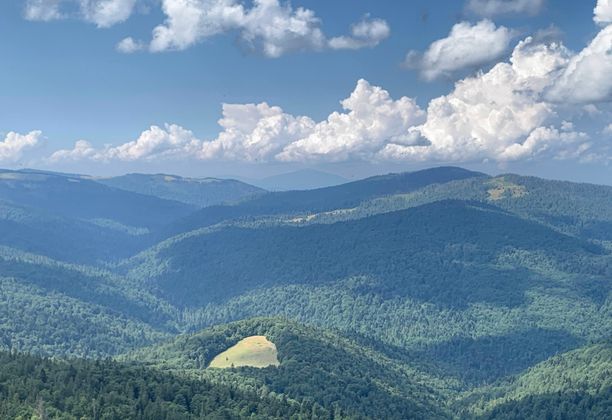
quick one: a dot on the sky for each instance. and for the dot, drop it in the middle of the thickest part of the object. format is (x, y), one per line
(352, 87)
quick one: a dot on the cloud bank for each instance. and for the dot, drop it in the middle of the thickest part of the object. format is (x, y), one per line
(504, 114)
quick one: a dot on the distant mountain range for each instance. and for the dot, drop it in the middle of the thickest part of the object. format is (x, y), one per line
(442, 293)
(201, 192)
(305, 179)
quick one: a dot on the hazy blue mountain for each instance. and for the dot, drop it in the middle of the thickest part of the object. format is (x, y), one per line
(305, 179)
(83, 199)
(201, 192)
(323, 199)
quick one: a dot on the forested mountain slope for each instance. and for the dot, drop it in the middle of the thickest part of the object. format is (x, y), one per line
(338, 374)
(200, 192)
(322, 199)
(446, 252)
(583, 210)
(443, 285)
(35, 388)
(576, 384)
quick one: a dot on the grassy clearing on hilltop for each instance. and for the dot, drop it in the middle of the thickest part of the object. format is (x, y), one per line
(254, 351)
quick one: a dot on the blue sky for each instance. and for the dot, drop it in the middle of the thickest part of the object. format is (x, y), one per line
(64, 79)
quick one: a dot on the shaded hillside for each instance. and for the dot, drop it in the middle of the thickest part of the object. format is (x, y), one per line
(322, 199)
(83, 199)
(200, 192)
(445, 252)
(576, 384)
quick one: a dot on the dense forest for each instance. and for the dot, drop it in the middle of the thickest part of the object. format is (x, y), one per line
(435, 294)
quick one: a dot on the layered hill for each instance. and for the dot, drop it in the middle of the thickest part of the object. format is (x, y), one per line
(74, 219)
(442, 285)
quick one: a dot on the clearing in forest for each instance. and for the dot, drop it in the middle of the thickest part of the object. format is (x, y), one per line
(255, 351)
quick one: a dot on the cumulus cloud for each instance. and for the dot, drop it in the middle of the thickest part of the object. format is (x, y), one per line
(603, 12)
(255, 132)
(498, 115)
(503, 114)
(14, 145)
(371, 119)
(269, 26)
(171, 141)
(103, 13)
(587, 77)
(490, 8)
(466, 46)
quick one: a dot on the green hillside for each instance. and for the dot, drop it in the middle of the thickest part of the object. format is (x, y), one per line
(576, 384)
(315, 365)
(431, 294)
(34, 388)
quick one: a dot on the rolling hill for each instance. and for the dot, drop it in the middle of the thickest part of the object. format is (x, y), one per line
(320, 200)
(200, 192)
(432, 294)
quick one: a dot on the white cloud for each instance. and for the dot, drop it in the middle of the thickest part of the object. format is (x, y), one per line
(106, 13)
(82, 150)
(43, 10)
(367, 33)
(490, 8)
(255, 132)
(172, 141)
(269, 26)
(103, 13)
(372, 118)
(129, 45)
(498, 115)
(588, 75)
(607, 130)
(14, 145)
(466, 46)
(603, 12)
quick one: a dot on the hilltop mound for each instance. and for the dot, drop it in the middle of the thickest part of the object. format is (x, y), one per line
(254, 351)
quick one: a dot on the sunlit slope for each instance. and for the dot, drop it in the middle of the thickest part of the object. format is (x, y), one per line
(254, 351)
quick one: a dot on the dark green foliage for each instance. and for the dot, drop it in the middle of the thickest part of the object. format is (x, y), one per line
(431, 294)
(201, 192)
(314, 365)
(110, 390)
(443, 253)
